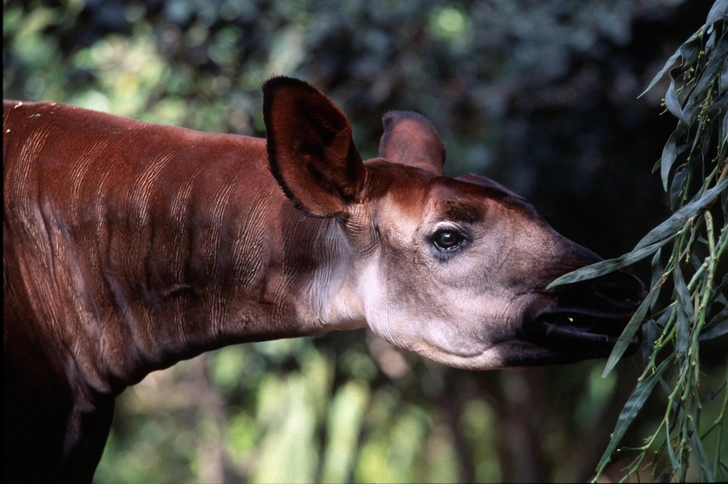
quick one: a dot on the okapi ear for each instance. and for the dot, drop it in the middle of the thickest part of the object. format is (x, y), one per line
(410, 139)
(310, 149)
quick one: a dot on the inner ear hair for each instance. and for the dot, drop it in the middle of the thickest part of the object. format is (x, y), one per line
(310, 148)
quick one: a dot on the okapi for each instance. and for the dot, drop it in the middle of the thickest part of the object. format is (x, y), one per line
(129, 246)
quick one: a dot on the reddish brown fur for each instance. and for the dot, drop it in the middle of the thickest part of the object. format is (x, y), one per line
(124, 241)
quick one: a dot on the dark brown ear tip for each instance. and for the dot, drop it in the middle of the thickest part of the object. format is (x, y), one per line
(282, 82)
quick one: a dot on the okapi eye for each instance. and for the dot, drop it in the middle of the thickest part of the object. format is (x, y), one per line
(447, 239)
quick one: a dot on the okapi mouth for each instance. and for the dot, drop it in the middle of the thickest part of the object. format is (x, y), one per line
(587, 318)
(580, 334)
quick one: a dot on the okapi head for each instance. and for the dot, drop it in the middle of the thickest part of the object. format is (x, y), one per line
(455, 269)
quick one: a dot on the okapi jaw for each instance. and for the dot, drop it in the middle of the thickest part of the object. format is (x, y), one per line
(453, 269)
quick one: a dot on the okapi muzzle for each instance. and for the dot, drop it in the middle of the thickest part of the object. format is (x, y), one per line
(129, 246)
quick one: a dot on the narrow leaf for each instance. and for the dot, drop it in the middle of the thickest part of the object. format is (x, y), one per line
(718, 290)
(678, 219)
(724, 122)
(672, 103)
(629, 332)
(657, 271)
(631, 408)
(649, 335)
(669, 155)
(718, 105)
(607, 266)
(682, 331)
(657, 268)
(718, 11)
(677, 187)
(674, 462)
(665, 318)
(712, 70)
(682, 290)
(716, 331)
(701, 458)
(668, 65)
(684, 313)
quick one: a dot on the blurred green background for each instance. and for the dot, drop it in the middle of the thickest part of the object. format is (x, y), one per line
(539, 95)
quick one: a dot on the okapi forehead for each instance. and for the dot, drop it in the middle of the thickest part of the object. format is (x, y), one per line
(493, 189)
(468, 198)
(401, 184)
(465, 198)
(460, 211)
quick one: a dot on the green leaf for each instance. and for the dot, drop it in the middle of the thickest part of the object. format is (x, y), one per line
(701, 458)
(607, 266)
(657, 269)
(724, 122)
(650, 330)
(684, 311)
(682, 291)
(699, 139)
(718, 11)
(668, 65)
(630, 330)
(664, 319)
(649, 335)
(682, 331)
(718, 290)
(669, 155)
(718, 325)
(717, 106)
(674, 462)
(713, 68)
(677, 220)
(718, 330)
(631, 408)
(677, 188)
(672, 103)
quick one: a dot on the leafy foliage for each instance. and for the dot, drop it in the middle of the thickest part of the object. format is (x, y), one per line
(694, 171)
